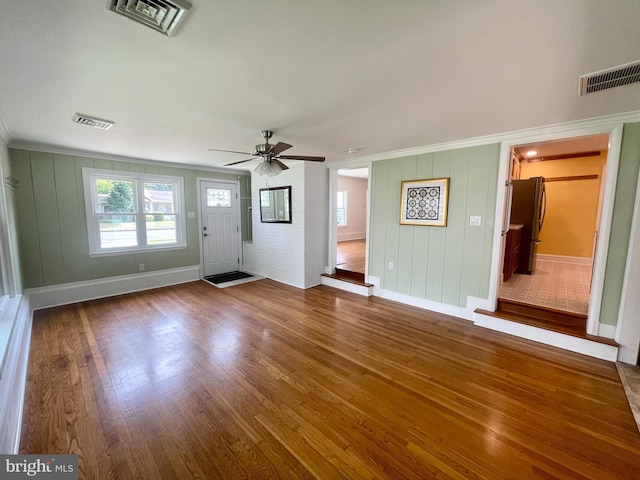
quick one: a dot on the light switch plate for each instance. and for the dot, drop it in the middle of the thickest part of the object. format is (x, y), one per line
(475, 220)
(191, 214)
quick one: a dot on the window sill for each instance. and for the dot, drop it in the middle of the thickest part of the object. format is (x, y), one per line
(137, 250)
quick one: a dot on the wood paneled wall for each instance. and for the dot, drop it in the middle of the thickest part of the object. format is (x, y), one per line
(52, 224)
(442, 264)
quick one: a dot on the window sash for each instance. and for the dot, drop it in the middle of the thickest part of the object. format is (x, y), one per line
(150, 225)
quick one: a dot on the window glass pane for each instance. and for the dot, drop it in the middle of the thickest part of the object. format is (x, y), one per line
(340, 199)
(115, 196)
(218, 197)
(341, 216)
(161, 229)
(158, 197)
(117, 231)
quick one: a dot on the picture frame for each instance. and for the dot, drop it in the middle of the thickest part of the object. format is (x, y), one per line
(424, 202)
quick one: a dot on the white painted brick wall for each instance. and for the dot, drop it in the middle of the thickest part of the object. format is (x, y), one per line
(291, 253)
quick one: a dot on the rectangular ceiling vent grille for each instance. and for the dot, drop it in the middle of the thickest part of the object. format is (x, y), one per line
(163, 16)
(611, 78)
(92, 122)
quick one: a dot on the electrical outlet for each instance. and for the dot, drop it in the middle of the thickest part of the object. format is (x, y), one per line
(390, 265)
(142, 267)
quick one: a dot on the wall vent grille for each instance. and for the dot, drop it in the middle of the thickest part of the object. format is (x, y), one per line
(163, 16)
(610, 78)
(92, 121)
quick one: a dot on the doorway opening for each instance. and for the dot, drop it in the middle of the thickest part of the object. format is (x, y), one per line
(351, 218)
(555, 193)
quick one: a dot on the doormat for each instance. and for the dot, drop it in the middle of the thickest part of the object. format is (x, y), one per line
(227, 277)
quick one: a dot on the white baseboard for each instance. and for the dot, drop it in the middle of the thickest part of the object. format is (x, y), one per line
(55, 295)
(345, 237)
(346, 286)
(607, 331)
(14, 378)
(547, 337)
(544, 257)
(438, 307)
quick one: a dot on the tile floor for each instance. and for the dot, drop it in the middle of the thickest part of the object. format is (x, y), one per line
(563, 286)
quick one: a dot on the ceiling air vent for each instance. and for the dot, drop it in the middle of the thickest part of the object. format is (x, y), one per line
(610, 78)
(163, 16)
(92, 121)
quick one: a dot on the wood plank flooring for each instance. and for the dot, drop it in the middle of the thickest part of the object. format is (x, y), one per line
(351, 255)
(263, 380)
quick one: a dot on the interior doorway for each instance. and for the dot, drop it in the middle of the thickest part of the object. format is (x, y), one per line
(555, 193)
(351, 219)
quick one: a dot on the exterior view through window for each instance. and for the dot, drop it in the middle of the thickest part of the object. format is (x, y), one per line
(132, 213)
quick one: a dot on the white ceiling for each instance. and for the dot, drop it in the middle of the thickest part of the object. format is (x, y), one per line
(376, 75)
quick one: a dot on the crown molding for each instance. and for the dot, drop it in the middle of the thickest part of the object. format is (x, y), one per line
(555, 130)
(38, 147)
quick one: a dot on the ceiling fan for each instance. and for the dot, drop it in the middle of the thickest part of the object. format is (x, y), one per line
(271, 156)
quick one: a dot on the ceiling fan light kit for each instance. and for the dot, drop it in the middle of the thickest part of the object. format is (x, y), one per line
(271, 156)
(270, 169)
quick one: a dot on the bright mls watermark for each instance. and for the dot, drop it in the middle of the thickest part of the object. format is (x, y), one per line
(51, 467)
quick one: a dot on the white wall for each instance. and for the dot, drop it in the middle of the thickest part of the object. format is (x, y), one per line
(356, 227)
(291, 253)
(315, 217)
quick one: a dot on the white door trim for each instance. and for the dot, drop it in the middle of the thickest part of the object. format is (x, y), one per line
(199, 181)
(332, 245)
(600, 260)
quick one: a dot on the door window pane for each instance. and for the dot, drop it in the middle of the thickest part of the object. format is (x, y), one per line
(218, 197)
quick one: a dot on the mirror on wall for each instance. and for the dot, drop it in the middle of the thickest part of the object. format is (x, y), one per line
(275, 205)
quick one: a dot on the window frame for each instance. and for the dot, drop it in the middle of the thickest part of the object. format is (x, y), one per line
(342, 191)
(90, 175)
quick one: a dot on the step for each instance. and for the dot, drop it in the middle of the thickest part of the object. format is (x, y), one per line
(548, 333)
(346, 283)
(348, 274)
(546, 314)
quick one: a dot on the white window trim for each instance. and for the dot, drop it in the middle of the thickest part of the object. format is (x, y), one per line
(93, 227)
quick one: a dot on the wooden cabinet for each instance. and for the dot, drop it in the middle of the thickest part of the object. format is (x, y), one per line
(512, 251)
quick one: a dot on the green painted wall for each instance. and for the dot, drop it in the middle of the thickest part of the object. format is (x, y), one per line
(52, 226)
(442, 264)
(628, 170)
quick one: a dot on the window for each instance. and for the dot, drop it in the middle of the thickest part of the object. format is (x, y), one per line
(342, 208)
(128, 212)
(219, 197)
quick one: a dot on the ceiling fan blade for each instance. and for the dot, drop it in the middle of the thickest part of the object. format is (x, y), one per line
(236, 163)
(278, 162)
(302, 157)
(279, 148)
(229, 151)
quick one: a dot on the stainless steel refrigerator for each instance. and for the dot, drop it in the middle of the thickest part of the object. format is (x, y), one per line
(528, 206)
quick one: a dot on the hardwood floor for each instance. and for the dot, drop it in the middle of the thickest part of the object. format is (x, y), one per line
(351, 255)
(263, 380)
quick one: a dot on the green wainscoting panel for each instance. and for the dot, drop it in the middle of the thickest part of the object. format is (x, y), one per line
(443, 264)
(623, 208)
(52, 227)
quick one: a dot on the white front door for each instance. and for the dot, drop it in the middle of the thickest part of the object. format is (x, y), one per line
(220, 227)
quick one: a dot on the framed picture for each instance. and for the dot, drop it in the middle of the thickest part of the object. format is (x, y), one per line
(424, 202)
